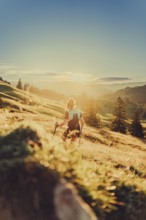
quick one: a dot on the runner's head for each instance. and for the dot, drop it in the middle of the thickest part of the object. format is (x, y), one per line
(71, 103)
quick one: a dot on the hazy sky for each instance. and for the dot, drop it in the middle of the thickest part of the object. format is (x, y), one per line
(74, 38)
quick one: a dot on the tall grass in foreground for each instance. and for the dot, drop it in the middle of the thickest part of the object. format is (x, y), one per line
(112, 192)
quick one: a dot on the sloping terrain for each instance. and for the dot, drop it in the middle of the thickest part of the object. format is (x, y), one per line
(107, 168)
(134, 99)
(16, 99)
(135, 94)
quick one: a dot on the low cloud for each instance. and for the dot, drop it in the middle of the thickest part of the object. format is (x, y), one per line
(9, 72)
(40, 73)
(13, 73)
(51, 74)
(114, 79)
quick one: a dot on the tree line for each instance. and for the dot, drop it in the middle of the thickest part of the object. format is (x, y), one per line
(41, 92)
(119, 122)
(1, 79)
(26, 87)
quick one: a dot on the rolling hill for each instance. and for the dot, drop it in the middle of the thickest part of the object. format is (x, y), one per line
(135, 94)
(134, 98)
(108, 169)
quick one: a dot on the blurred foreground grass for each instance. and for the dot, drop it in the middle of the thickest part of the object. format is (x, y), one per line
(112, 190)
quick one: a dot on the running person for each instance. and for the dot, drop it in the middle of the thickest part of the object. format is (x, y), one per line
(74, 120)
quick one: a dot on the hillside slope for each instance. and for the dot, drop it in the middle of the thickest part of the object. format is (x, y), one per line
(134, 98)
(108, 169)
(135, 94)
(16, 99)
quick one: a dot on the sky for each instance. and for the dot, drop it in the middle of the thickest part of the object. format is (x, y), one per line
(78, 40)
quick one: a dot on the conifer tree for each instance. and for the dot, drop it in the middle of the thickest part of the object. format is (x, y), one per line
(91, 117)
(119, 123)
(25, 87)
(19, 84)
(136, 128)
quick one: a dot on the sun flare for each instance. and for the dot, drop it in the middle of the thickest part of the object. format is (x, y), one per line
(79, 77)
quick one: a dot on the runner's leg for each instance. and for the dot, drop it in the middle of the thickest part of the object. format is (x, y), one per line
(64, 137)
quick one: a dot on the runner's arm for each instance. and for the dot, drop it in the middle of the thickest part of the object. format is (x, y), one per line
(66, 119)
(63, 123)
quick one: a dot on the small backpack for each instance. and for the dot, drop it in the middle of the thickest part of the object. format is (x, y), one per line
(74, 116)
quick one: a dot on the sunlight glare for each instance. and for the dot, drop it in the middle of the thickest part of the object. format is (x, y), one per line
(79, 77)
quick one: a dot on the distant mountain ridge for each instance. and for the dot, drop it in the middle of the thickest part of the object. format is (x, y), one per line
(119, 86)
(95, 90)
(134, 98)
(135, 94)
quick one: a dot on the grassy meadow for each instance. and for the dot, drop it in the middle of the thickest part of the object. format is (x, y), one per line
(108, 168)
